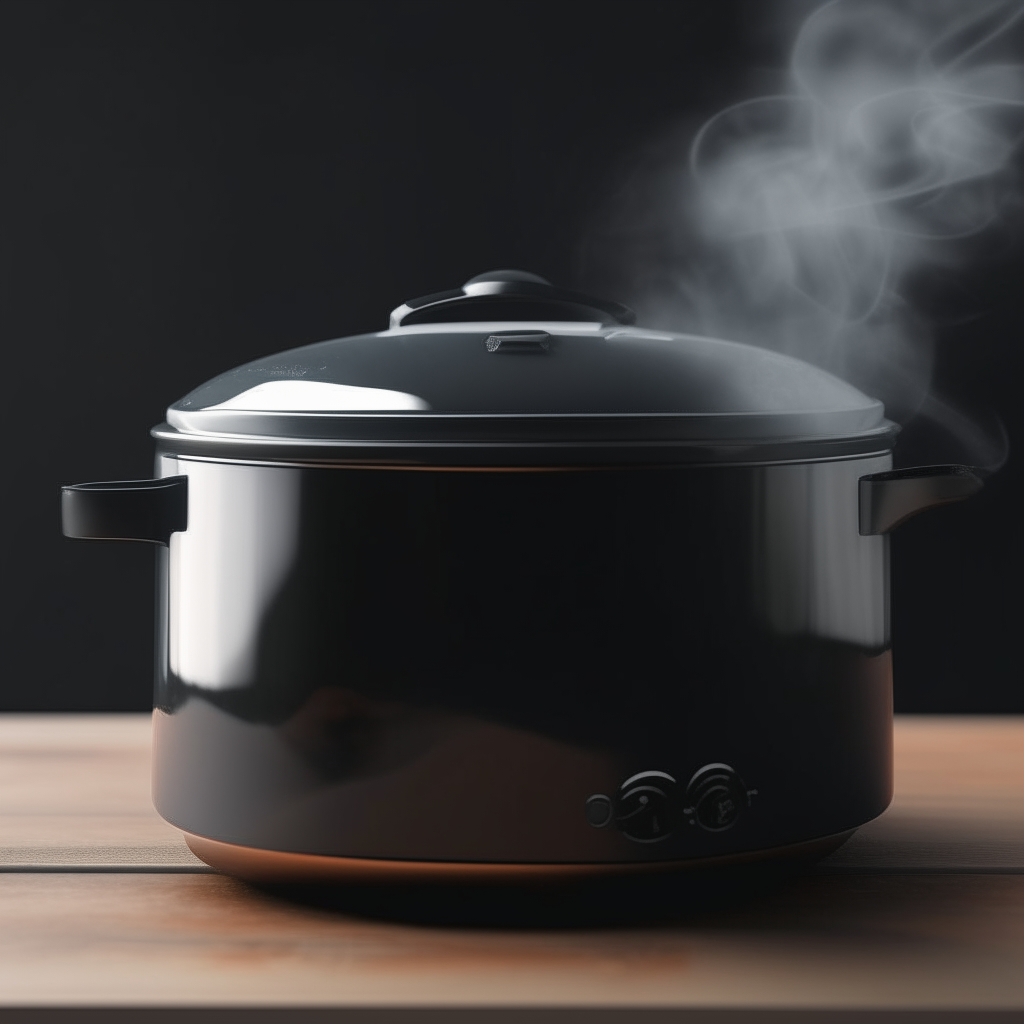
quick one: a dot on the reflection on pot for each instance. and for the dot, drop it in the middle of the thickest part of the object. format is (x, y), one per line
(241, 553)
(814, 574)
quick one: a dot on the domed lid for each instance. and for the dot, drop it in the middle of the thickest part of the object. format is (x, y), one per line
(508, 368)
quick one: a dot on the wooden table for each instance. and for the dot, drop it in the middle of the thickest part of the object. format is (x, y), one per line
(102, 905)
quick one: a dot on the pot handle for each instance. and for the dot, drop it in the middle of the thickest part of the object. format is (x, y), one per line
(888, 499)
(145, 510)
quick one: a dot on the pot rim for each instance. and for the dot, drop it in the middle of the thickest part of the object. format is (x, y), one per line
(599, 452)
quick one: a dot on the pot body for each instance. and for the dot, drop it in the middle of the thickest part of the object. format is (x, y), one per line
(535, 666)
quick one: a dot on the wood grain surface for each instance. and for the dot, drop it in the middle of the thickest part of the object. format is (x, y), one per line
(74, 793)
(101, 904)
(958, 802)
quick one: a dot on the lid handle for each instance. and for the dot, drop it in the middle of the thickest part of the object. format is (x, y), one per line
(508, 295)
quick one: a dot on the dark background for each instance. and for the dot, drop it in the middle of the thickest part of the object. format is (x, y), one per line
(186, 186)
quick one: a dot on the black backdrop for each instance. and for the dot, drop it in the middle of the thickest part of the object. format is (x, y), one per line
(186, 186)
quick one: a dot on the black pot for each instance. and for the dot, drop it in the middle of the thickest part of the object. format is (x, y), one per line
(514, 584)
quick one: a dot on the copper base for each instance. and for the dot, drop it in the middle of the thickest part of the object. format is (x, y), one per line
(255, 865)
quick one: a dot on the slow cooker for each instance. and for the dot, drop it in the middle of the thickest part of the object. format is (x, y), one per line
(515, 587)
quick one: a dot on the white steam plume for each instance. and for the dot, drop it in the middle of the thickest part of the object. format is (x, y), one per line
(804, 218)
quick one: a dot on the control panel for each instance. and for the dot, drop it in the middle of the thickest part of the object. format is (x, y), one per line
(649, 806)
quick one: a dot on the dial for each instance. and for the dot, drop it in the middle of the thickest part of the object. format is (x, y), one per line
(646, 809)
(717, 798)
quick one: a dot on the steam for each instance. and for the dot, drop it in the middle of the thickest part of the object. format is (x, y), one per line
(803, 221)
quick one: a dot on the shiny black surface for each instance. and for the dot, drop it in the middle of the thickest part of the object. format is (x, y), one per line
(446, 665)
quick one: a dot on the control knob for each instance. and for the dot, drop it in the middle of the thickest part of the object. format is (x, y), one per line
(645, 809)
(716, 797)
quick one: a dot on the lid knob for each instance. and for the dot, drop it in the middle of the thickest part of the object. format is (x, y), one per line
(508, 295)
(507, 275)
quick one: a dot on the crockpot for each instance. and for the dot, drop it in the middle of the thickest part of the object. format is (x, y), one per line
(515, 587)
